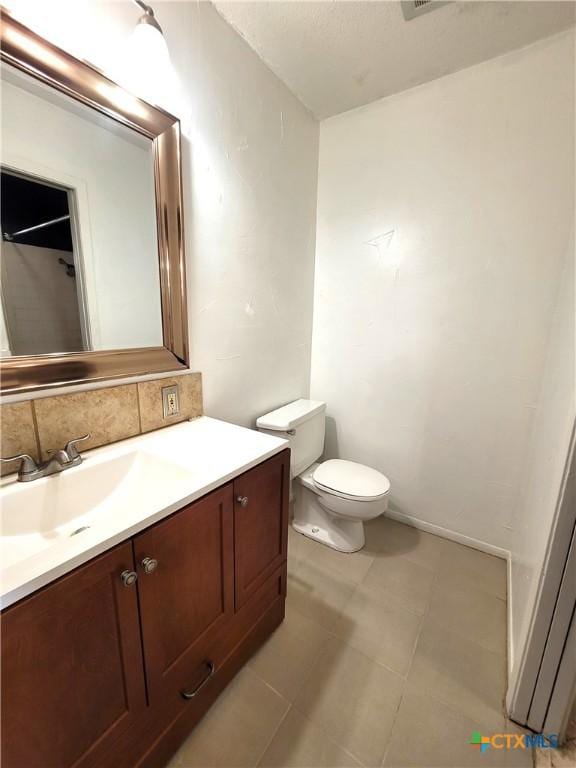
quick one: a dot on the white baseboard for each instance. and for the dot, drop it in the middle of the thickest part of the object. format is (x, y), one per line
(510, 624)
(483, 546)
(446, 533)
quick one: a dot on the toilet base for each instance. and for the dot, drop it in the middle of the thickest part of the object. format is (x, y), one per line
(343, 541)
(315, 522)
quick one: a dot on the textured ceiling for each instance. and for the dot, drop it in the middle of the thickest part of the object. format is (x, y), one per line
(339, 55)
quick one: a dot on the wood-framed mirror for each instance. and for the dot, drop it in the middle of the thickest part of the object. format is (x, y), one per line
(93, 265)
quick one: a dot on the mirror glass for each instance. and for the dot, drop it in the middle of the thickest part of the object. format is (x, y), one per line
(79, 264)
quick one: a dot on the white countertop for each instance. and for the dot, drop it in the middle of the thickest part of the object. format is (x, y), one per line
(118, 491)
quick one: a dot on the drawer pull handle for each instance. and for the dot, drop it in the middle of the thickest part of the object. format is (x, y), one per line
(242, 500)
(128, 577)
(190, 694)
(149, 564)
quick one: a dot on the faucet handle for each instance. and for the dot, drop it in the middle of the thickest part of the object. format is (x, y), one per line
(28, 465)
(70, 447)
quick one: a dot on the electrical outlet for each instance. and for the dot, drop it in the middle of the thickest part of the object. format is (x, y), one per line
(170, 401)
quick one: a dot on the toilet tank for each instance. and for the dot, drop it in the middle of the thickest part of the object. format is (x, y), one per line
(303, 424)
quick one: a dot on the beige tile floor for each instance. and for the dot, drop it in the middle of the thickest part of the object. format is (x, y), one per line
(391, 657)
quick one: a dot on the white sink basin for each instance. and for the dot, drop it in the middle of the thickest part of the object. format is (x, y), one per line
(49, 527)
(41, 513)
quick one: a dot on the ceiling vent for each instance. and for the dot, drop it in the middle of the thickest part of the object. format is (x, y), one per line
(413, 8)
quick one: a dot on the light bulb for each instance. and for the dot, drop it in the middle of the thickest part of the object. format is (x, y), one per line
(146, 69)
(148, 46)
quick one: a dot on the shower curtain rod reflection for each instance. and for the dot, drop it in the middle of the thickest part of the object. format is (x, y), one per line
(12, 235)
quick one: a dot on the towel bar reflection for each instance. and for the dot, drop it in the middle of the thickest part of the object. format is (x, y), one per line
(12, 235)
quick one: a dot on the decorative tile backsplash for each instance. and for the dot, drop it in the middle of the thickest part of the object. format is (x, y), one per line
(109, 414)
(150, 398)
(18, 433)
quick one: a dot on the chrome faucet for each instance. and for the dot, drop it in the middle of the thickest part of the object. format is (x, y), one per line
(59, 461)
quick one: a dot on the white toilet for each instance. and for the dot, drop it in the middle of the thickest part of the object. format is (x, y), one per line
(332, 499)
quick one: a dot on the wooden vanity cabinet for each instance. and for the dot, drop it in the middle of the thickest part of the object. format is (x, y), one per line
(99, 669)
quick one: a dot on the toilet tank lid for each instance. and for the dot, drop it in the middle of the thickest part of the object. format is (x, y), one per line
(289, 416)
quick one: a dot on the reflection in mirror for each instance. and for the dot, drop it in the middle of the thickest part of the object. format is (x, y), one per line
(39, 284)
(79, 267)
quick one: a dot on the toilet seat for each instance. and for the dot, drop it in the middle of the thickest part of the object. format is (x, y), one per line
(350, 480)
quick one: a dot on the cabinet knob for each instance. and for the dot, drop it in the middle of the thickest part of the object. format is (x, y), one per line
(149, 564)
(128, 577)
(242, 500)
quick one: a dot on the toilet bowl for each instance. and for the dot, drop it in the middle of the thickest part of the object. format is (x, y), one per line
(334, 498)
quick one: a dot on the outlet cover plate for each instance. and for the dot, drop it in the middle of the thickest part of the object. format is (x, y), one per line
(170, 401)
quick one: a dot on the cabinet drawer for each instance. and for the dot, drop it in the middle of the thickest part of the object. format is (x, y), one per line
(198, 674)
(166, 744)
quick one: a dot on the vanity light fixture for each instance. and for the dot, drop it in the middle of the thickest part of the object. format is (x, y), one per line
(148, 33)
(148, 18)
(147, 69)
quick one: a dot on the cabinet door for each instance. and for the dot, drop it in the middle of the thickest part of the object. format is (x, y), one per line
(72, 672)
(188, 596)
(261, 498)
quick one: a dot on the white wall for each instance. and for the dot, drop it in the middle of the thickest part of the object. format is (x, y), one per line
(250, 181)
(429, 349)
(547, 455)
(111, 172)
(250, 169)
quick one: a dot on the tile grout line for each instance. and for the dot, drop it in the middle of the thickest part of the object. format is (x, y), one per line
(391, 604)
(436, 573)
(321, 727)
(275, 731)
(310, 669)
(333, 572)
(473, 641)
(423, 618)
(319, 724)
(36, 430)
(447, 704)
(318, 654)
(450, 706)
(139, 408)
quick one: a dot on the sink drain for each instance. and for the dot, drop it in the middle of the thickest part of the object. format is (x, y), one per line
(79, 530)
